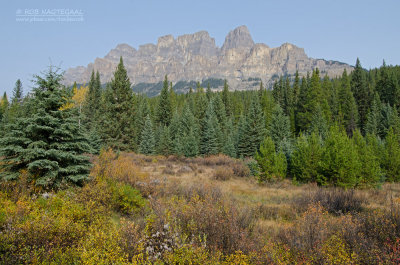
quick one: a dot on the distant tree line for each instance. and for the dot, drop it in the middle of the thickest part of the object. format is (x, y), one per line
(342, 131)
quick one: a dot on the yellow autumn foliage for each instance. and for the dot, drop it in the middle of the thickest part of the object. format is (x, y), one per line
(78, 98)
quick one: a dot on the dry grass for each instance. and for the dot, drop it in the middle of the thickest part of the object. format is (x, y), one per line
(273, 204)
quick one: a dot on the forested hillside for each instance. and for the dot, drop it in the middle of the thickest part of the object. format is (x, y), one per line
(341, 132)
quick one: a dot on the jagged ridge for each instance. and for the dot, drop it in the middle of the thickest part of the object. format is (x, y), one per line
(195, 57)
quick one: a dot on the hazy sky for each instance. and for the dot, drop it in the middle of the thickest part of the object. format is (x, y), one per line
(330, 29)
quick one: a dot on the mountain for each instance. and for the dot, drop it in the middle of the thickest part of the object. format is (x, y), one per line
(196, 57)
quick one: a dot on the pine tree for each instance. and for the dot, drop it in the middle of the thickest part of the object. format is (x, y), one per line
(340, 165)
(48, 142)
(273, 165)
(117, 124)
(370, 172)
(306, 159)
(164, 110)
(391, 162)
(147, 143)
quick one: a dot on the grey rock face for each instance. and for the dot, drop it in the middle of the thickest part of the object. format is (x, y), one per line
(195, 57)
(238, 38)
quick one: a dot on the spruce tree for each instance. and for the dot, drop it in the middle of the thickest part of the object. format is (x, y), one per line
(164, 110)
(374, 117)
(226, 98)
(302, 111)
(347, 105)
(190, 143)
(296, 89)
(210, 144)
(208, 92)
(117, 124)
(261, 92)
(186, 138)
(388, 86)
(91, 107)
(200, 106)
(147, 142)
(318, 123)
(252, 130)
(219, 108)
(17, 93)
(229, 141)
(164, 145)
(361, 93)
(48, 143)
(143, 110)
(279, 129)
(389, 119)
(241, 145)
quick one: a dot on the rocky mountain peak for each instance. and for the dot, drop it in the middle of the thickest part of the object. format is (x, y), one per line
(195, 57)
(238, 38)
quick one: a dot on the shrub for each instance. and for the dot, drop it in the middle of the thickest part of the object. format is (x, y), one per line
(43, 229)
(223, 173)
(188, 254)
(334, 200)
(100, 246)
(253, 167)
(127, 199)
(240, 170)
(201, 214)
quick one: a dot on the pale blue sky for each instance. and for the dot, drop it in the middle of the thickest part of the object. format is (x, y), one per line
(330, 29)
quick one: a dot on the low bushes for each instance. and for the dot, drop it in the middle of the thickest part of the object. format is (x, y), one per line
(223, 173)
(334, 200)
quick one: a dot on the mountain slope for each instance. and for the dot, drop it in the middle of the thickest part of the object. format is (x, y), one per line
(195, 57)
